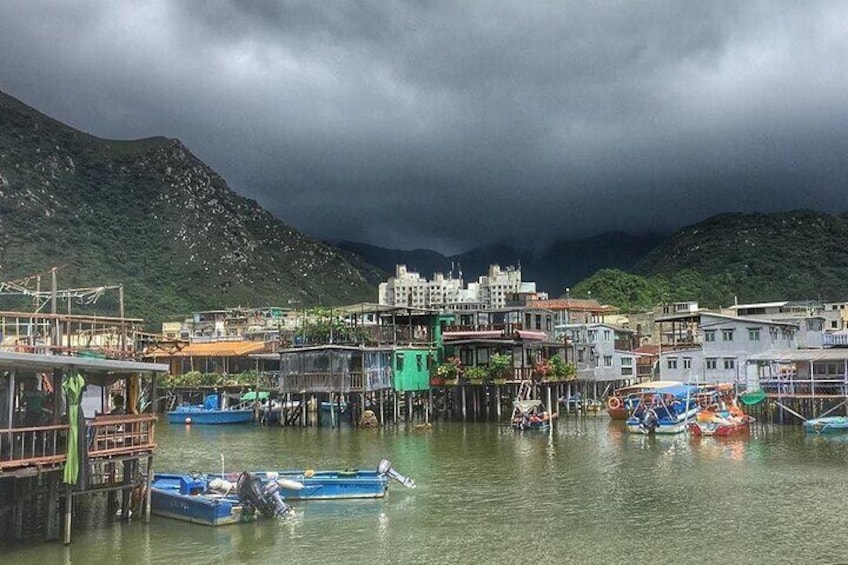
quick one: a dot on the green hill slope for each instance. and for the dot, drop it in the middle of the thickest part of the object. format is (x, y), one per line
(750, 257)
(152, 216)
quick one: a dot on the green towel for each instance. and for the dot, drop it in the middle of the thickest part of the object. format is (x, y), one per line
(72, 386)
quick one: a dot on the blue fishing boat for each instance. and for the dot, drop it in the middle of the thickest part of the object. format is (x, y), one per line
(331, 485)
(208, 413)
(213, 502)
(827, 425)
(665, 410)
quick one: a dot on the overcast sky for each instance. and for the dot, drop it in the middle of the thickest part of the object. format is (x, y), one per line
(453, 124)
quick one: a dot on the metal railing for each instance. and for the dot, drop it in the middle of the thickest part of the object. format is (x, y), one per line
(40, 445)
(804, 387)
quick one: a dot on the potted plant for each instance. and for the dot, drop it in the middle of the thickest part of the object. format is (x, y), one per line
(500, 367)
(447, 372)
(542, 369)
(476, 375)
(562, 370)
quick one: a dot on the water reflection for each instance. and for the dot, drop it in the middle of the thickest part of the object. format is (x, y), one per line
(585, 492)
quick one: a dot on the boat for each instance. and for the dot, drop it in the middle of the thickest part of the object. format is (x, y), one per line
(529, 415)
(208, 413)
(720, 414)
(826, 425)
(665, 410)
(722, 423)
(623, 400)
(213, 502)
(330, 485)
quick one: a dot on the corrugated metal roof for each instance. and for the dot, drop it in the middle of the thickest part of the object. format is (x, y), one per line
(40, 362)
(802, 355)
(211, 349)
(483, 334)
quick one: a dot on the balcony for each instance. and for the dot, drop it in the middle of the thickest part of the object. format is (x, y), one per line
(107, 436)
(38, 446)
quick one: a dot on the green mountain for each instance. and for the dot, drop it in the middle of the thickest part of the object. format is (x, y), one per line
(796, 255)
(151, 216)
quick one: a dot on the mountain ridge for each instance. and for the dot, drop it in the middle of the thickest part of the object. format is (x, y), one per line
(151, 215)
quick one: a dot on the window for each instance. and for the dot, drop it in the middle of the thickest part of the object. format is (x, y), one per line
(753, 334)
(627, 361)
(834, 325)
(579, 355)
(399, 362)
(607, 335)
(593, 336)
(465, 357)
(727, 335)
(709, 335)
(538, 321)
(607, 360)
(711, 363)
(672, 362)
(729, 363)
(483, 356)
(687, 362)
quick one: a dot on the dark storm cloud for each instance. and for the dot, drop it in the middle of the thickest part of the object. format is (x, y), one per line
(451, 124)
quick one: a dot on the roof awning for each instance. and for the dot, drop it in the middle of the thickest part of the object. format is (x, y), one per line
(482, 334)
(527, 334)
(212, 349)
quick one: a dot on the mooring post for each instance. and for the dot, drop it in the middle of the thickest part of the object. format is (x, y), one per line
(69, 501)
(550, 404)
(464, 402)
(147, 488)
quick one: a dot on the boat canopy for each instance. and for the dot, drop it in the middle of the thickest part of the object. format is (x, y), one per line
(525, 406)
(679, 391)
(251, 395)
(651, 385)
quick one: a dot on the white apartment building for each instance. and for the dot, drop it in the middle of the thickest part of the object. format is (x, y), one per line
(408, 288)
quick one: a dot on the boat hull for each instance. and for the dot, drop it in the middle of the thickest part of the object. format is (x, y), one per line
(326, 485)
(209, 417)
(827, 425)
(170, 497)
(618, 413)
(668, 425)
(718, 430)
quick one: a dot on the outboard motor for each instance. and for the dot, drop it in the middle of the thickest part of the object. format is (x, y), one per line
(385, 468)
(263, 497)
(650, 421)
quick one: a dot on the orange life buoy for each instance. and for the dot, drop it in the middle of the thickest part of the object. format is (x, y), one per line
(614, 402)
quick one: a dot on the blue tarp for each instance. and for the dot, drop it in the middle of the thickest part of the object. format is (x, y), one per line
(681, 391)
(211, 402)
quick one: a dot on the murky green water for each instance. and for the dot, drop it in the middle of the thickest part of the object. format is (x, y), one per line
(586, 493)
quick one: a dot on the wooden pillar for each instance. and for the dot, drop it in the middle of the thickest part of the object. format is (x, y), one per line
(498, 401)
(50, 532)
(382, 399)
